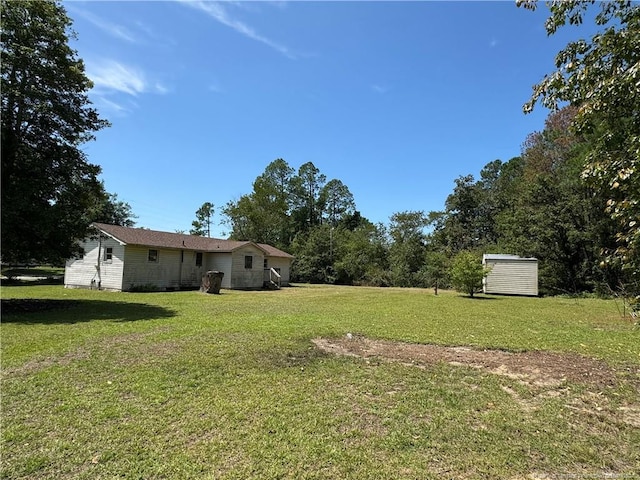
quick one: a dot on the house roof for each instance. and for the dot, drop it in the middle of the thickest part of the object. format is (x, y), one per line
(155, 238)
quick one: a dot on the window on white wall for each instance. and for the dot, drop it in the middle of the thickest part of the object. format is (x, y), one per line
(198, 259)
(248, 261)
(108, 254)
(153, 255)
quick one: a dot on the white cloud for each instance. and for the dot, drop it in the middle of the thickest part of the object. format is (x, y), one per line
(111, 76)
(105, 104)
(112, 29)
(160, 88)
(379, 88)
(218, 12)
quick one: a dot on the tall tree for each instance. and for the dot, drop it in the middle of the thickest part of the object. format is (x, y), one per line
(554, 215)
(600, 77)
(360, 252)
(314, 255)
(407, 248)
(271, 200)
(306, 187)
(238, 215)
(109, 209)
(277, 177)
(264, 214)
(468, 221)
(336, 202)
(202, 224)
(48, 186)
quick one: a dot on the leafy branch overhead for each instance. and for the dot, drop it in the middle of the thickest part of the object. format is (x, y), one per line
(601, 78)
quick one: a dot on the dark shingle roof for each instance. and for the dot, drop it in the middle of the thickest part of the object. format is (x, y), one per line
(155, 238)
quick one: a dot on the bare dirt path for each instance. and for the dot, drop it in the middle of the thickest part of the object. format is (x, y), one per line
(547, 369)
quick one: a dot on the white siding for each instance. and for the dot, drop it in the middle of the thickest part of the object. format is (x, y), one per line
(140, 272)
(93, 271)
(515, 276)
(130, 268)
(247, 278)
(221, 262)
(283, 265)
(191, 274)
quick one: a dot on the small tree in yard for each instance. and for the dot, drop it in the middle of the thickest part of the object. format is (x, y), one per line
(436, 270)
(467, 273)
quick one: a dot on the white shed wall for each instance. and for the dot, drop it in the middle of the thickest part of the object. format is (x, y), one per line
(515, 276)
(93, 271)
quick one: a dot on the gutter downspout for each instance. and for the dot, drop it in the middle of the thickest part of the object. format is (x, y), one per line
(98, 264)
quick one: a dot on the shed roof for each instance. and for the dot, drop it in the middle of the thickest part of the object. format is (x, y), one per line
(155, 238)
(506, 256)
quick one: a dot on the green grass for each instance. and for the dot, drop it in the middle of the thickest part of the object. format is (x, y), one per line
(187, 385)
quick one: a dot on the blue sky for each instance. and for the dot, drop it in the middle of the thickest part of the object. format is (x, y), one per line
(395, 99)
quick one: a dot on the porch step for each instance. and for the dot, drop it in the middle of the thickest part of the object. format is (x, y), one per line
(271, 285)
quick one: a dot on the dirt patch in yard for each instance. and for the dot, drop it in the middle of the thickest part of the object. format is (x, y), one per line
(544, 369)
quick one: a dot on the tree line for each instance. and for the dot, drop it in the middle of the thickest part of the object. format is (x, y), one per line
(535, 205)
(571, 199)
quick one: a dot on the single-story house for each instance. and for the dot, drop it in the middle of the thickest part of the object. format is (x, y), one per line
(123, 259)
(510, 275)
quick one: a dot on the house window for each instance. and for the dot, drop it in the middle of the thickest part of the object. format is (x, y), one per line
(266, 263)
(248, 261)
(108, 254)
(153, 255)
(198, 259)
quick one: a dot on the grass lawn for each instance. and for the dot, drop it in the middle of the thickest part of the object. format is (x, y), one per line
(186, 385)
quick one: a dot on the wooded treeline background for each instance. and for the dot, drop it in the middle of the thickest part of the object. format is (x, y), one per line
(535, 205)
(571, 199)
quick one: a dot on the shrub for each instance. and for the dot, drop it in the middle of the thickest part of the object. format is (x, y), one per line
(467, 273)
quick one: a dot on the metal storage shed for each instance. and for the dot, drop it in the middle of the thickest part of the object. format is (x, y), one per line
(510, 275)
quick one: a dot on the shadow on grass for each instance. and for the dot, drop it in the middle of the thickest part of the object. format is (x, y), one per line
(46, 311)
(31, 281)
(478, 298)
